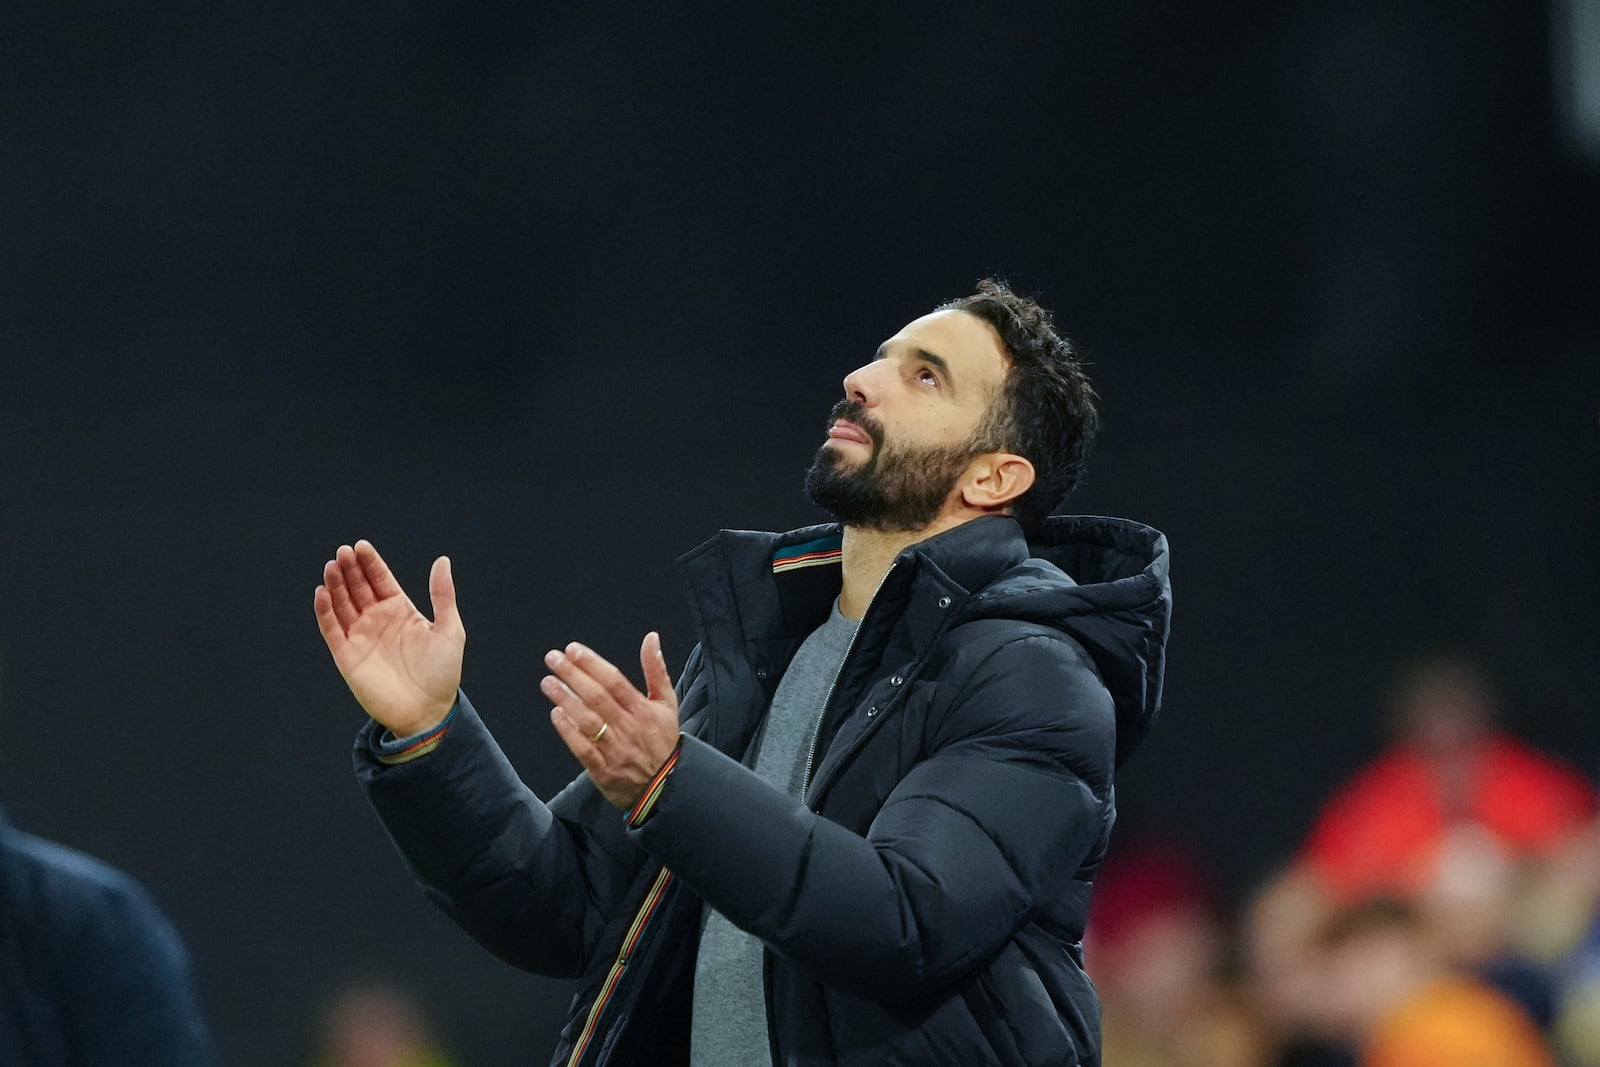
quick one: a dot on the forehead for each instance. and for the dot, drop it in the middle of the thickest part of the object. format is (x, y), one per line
(970, 346)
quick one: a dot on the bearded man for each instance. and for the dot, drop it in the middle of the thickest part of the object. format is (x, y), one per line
(864, 826)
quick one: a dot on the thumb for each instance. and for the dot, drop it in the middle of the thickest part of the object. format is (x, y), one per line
(657, 679)
(442, 591)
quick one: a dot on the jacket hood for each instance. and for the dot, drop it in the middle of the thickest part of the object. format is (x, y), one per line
(1116, 603)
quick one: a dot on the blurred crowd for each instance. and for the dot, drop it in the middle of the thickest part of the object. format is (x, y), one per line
(376, 1023)
(1442, 910)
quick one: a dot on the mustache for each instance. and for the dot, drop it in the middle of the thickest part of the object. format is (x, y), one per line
(855, 411)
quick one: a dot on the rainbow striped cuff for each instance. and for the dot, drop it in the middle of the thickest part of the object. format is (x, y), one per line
(391, 750)
(647, 800)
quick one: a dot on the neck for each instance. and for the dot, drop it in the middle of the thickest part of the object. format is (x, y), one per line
(867, 556)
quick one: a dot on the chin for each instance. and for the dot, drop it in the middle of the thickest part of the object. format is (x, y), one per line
(832, 457)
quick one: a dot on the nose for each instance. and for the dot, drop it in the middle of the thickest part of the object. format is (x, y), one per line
(858, 385)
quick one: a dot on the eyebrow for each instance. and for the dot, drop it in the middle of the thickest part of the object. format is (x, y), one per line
(932, 359)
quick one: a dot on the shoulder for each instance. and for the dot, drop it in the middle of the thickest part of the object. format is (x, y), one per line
(1030, 684)
(62, 869)
(976, 651)
(1534, 769)
(80, 898)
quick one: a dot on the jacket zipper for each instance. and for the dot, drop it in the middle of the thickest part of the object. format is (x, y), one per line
(614, 976)
(827, 702)
(805, 787)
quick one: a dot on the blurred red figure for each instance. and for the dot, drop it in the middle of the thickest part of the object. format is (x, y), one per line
(1449, 791)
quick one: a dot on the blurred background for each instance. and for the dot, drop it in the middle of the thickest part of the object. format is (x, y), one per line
(561, 290)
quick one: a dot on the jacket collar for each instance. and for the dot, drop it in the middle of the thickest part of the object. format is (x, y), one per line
(756, 596)
(782, 585)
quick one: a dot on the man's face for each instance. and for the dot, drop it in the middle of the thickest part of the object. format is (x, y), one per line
(901, 440)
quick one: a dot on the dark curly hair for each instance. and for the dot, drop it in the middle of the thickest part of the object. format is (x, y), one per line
(1045, 410)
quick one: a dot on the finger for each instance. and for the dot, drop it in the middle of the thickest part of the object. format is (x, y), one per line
(442, 591)
(600, 671)
(377, 573)
(557, 692)
(327, 620)
(657, 679)
(355, 579)
(577, 679)
(574, 737)
(591, 676)
(583, 717)
(339, 594)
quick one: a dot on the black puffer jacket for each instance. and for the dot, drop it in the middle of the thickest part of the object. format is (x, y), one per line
(925, 902)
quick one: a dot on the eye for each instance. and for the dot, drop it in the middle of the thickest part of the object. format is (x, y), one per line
(926, 376)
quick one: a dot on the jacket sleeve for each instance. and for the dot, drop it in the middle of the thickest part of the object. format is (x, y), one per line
(530, 882)
(974, 841)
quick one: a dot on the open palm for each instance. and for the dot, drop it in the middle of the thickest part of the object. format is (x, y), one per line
(403, 669)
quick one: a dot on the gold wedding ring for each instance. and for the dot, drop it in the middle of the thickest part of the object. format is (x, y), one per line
(598, 734)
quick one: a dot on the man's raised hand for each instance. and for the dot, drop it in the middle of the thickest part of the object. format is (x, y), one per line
(621, 736)
(403, 669)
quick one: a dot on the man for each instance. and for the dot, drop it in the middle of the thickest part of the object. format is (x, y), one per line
(863, 828)
(91, 972)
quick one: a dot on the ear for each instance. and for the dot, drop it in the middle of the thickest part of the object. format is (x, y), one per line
(995, 479)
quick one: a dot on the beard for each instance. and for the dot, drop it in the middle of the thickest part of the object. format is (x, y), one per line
(898, 488)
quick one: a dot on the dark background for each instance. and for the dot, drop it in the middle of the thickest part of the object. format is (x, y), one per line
(560, 290)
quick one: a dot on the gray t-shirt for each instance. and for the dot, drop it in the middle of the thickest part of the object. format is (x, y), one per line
(730, 1007)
